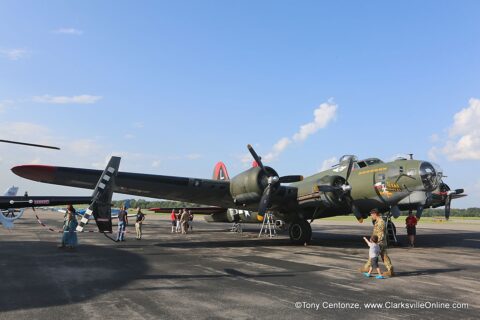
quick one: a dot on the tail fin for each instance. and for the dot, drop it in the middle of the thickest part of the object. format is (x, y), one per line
(11, 192)
(220, 172)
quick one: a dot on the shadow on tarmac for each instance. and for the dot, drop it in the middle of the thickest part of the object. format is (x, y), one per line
(335, 240)
(229, 273)
(37, 274)
(425, 272)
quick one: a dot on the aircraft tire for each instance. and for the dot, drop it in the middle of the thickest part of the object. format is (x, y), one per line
(300, 232)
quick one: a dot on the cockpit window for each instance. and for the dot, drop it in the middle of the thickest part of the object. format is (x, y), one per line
(369, 162)
(362, 164)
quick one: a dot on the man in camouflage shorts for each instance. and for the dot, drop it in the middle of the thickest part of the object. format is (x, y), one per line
(379, 231)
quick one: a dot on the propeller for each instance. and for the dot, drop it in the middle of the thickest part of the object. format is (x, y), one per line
(445, 190)
(448, 201)
(272, 183)
(30, 144)
(346, 188)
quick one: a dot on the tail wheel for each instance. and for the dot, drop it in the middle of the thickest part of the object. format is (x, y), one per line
(300, 232)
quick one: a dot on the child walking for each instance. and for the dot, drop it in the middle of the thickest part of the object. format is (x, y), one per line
(373, 256)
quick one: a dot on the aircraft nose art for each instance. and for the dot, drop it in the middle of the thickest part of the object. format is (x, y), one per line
(36, 172)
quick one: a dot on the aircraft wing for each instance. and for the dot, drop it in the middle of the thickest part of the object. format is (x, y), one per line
(27, 202)
(203, 191)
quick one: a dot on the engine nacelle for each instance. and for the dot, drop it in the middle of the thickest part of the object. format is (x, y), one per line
(248, 186)
(321, 199)
(332, 198)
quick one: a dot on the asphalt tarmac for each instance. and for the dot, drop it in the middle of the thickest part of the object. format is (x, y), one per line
(215, 274)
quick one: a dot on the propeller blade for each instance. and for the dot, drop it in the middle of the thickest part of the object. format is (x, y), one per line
(349, 170)
(30, 144)
(257, 158)
(264, 201)
(289, 179)
(448, 201)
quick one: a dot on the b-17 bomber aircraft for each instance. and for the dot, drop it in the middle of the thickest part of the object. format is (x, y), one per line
(353, 186)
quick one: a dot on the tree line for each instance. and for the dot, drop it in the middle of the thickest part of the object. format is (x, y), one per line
(144, 204)
(469, 212)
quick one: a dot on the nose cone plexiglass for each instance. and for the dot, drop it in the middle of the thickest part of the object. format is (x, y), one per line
(431, 175)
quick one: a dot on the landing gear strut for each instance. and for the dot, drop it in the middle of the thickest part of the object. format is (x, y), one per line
(300, 232)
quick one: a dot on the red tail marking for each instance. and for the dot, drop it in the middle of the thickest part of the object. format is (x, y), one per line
(220, 172)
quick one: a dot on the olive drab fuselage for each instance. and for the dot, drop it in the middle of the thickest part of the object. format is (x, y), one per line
(376, 185)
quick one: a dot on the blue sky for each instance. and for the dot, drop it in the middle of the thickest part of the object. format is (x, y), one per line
(174, 87)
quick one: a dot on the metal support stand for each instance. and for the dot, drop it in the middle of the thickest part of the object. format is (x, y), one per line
(390, 229)
(268, 226)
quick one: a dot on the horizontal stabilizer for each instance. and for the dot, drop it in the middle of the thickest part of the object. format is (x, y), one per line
(40, 201)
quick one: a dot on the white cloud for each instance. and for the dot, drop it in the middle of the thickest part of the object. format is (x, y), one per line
(84, 147)
(277, 149)
(24, 130)
(323, 115)
(328, 163)
(156, 163)
(194, 156)
(14, 54)
(434, 138)
(81, 99)
(36, 161)
(69, 31)
(4, 104)
(138, 125)
(129, 136)
(464, 135)
(245, 158)
(433, 153)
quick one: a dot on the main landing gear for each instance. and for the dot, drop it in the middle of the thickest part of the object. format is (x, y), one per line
(300, 232)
